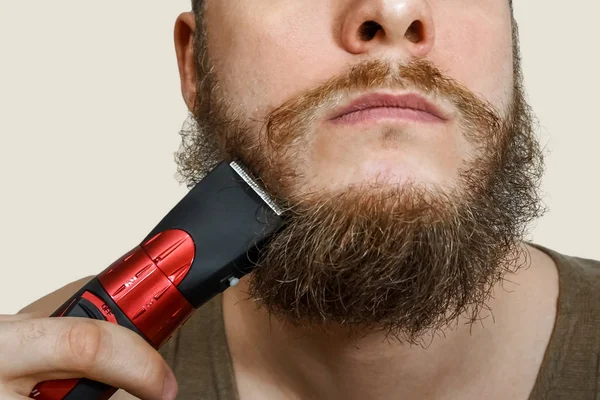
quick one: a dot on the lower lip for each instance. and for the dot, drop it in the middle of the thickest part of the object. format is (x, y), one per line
(391, 113)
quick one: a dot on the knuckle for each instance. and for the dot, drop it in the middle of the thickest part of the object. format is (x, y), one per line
(85, 342)
(27, 332)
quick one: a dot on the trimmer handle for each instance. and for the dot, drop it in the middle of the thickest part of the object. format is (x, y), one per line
(208, 241)
(138, 292)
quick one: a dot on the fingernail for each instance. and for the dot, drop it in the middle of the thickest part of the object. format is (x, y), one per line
(170, 386)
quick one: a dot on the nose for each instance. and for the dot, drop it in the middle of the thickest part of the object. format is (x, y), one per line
(406, 25)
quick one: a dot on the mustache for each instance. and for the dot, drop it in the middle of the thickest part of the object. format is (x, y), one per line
(421, 76)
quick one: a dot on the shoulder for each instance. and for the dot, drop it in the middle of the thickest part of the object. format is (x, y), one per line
(579, 300)
(570, 368)
(582, 273)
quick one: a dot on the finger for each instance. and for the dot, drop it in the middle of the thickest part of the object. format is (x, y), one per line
(96, 350)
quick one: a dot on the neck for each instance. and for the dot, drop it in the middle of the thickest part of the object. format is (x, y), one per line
(310, 362)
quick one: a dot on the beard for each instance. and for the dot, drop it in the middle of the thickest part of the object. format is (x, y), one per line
(404, 259)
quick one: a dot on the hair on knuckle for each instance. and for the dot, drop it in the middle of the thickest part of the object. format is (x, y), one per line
(30, 330)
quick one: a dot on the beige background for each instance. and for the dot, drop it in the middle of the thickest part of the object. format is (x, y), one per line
(90, 109)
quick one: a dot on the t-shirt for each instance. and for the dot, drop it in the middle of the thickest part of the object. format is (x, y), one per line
(199, 356)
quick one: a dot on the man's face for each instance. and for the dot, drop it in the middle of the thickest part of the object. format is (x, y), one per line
(396, 133)
(267, 53)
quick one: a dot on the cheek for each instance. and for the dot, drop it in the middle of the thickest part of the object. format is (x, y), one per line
(476, 50)
(261, 62)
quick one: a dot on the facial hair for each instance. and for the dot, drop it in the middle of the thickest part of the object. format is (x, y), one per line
(404, 259)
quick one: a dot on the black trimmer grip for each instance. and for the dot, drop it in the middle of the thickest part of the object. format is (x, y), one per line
(92, 302)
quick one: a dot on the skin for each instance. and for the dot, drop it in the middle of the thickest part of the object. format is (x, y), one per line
(265, 54)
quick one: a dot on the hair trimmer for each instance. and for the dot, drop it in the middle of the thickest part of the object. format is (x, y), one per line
(204, 245)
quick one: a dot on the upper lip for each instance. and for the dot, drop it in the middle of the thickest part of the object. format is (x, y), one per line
(409, 101)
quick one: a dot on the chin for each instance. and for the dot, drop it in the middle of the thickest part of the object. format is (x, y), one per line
(379, 173)
(333, 164)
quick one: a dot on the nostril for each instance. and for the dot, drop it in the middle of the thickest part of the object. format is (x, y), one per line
(368, 30)
(415, 32)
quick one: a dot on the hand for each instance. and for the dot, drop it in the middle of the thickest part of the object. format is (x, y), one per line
(35, 349)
